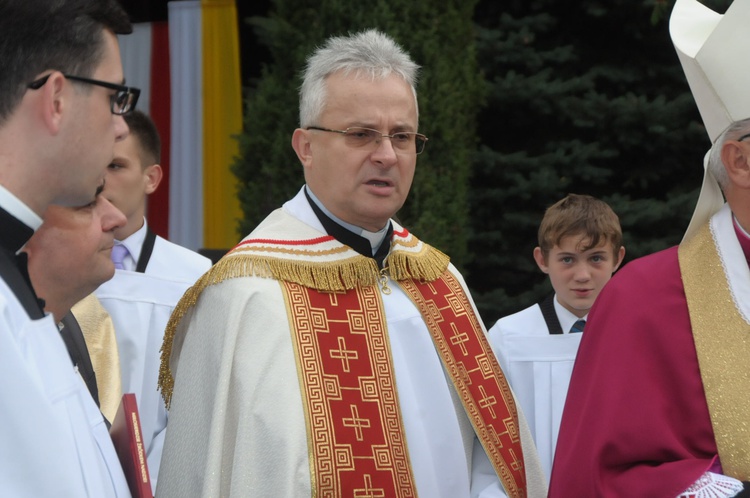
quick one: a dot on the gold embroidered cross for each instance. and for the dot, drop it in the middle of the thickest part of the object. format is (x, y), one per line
(333, 296)
(459, 338)
(368, 491)
(356, 422)
(517, 463)
(487, 401)
(343, 354)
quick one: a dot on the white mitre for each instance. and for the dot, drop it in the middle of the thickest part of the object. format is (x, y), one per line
(713, 51)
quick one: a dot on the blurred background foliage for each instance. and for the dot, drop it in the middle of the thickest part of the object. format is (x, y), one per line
(524, 101)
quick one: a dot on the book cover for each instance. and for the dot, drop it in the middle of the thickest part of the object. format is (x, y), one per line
(128, 440)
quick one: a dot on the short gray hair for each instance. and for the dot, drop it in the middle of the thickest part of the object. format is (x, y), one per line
(368, 53)
(715, 164)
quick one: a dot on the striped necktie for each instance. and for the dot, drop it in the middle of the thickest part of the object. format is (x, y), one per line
(578, 326)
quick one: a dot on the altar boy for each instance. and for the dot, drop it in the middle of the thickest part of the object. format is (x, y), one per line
(580, 247)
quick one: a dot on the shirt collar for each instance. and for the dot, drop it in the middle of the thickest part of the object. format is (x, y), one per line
(134, 242)
(567, 319)
(14, 206)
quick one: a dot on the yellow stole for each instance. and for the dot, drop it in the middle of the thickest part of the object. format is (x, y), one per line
(722, 344)
(99, 334)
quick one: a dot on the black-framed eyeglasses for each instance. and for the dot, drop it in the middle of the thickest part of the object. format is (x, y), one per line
(743, 137)
(121, 102)
(403, 142)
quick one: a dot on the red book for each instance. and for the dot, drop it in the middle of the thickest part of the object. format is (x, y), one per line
(128, 440)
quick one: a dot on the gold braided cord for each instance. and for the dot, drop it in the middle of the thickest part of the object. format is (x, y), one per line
(426, 264)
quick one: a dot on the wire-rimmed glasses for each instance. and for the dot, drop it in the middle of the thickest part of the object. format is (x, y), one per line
(403, 142)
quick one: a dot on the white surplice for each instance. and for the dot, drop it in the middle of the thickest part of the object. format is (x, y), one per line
(538, 366)
(140, 305)
(53, 438)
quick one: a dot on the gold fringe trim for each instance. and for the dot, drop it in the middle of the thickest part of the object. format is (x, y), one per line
(359, 271)
(334, 276)
(186, 302)
(426, 266)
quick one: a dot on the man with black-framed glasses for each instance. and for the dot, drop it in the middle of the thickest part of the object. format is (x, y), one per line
(61, 104)
(122, 101)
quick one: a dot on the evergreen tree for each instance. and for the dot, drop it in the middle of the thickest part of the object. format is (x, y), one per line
(439, 37)
(588, 98)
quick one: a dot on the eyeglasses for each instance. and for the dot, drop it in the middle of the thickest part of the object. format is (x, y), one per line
(121, 102)
(403, 142)
(743, 137)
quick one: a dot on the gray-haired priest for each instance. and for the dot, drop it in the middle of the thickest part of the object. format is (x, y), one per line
(332, 353)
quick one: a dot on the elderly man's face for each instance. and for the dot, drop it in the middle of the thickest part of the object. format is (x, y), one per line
(364, 186)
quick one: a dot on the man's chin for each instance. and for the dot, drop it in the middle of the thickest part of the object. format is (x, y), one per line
(107, 275)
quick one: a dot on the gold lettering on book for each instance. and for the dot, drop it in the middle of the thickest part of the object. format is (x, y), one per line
(139, 447)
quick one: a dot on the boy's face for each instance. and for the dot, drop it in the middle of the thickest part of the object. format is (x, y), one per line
(578, 276)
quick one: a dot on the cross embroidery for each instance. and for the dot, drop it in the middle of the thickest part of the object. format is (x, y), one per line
(368, 491)
(487, 401)
(356, 422)
(343, 354)
(516, 464)
(333, 296)
(459, 338)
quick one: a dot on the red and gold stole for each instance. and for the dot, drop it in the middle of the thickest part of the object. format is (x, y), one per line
(722, 344)
(475, 373)
(355, 430)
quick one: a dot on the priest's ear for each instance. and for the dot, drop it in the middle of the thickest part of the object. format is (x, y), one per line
(736, 158)
(153, 175)
(302, 145)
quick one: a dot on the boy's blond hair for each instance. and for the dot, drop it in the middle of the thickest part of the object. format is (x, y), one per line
(580, 215)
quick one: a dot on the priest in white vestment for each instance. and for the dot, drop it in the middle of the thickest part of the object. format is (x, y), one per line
(331, 352)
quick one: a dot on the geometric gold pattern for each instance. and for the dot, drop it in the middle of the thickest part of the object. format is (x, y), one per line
(475, 373)
(357, 445)
(320, 263)
(722, 344)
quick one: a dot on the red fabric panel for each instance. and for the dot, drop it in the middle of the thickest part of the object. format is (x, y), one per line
(635, 421)
(160, 112)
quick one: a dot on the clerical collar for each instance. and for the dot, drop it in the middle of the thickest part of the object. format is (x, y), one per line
(371, 244)
(18, 209)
